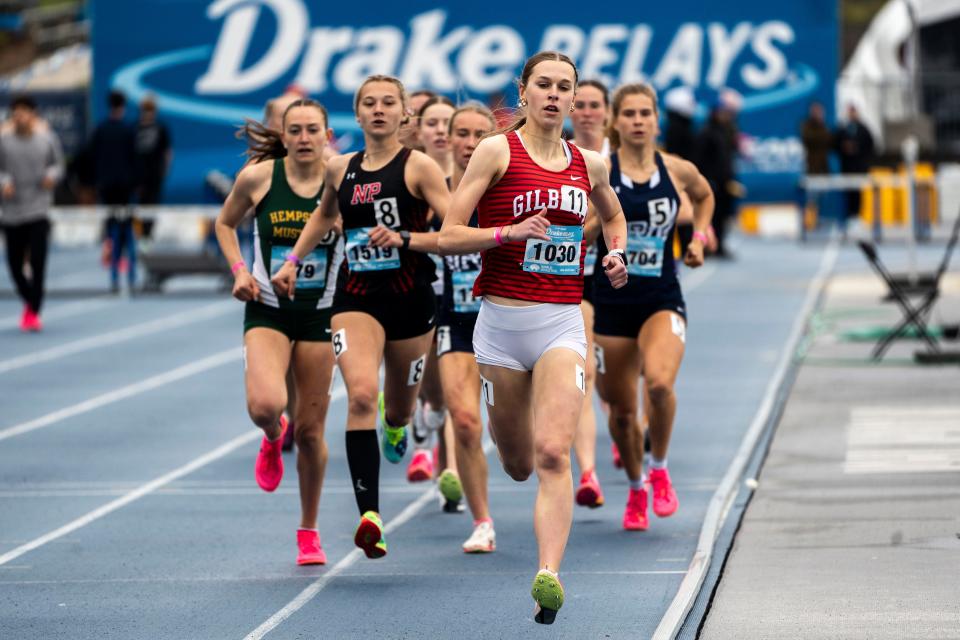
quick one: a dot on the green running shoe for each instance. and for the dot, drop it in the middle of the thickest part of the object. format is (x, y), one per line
(369, 535)
(450, 487)
(393, 440)
(547, 592)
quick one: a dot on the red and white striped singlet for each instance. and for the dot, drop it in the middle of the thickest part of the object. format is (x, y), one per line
(535, 270)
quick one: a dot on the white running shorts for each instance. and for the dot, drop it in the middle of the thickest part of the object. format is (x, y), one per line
(516, 337)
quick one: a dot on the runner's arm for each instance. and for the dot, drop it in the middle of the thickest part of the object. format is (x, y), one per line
(239, 201)
(456, 236)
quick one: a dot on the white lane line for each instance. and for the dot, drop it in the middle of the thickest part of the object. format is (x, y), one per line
(158, 325)
(67, 310)
(317, 586)
(722, 499)
(154, 382)
(141, 491)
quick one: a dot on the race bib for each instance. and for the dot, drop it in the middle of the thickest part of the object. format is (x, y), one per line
(312, 270)
(463, 300)
(644, 255)
(362, 257)
(559, 256)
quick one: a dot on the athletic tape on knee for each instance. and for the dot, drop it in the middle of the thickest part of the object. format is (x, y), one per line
(339, 342)
(598, 355)
(486, 389)
(416, 371)
(679, 327)
(581, 379)
(443, 340)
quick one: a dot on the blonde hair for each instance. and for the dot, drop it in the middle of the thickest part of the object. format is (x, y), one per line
(632, 89)
(473, 107)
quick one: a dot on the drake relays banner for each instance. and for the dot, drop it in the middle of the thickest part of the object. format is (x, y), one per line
(212, 64)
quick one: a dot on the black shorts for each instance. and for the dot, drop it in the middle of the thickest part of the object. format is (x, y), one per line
(307, 325)
(588, 288)
(455, 333)
(402, 315)
(626, 320)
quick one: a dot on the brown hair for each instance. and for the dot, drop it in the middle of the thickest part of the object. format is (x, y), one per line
(632, 89)
(381, 78)
(264, 143)
(432, 100)
(520, 114)
(599, 86)
(473, 107)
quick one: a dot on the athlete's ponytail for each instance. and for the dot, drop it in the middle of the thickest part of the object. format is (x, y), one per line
(520, 115)
(264, 143)
(632, 89)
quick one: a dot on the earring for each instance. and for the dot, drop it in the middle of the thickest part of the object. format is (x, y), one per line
(572, 109)
(522, 102)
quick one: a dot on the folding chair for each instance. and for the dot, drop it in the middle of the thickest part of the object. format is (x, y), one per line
(901, 288)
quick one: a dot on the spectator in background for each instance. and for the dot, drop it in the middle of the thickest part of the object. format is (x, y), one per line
(680, 140)
(715, 156)
(679, 137)
(154, 154)
(114, 158)
(855, 147)
(31, 164)
(817, 141)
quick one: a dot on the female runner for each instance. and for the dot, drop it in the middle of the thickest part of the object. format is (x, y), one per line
(532, 190)
(283, 183)
(589, 117)
(459, 374)
(641, 329)
(384, 308)
(433, 130)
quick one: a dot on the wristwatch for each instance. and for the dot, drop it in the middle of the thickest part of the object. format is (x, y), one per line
(405, 236)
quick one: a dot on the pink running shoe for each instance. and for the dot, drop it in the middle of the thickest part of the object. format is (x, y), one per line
(617, 462)
(31, 321)
(420, 468)
(635, 515)
(308, 541)
(269, 467)
(589, 493)
(665, 501)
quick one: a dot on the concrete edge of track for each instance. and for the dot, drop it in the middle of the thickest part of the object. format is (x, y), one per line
(763, 421)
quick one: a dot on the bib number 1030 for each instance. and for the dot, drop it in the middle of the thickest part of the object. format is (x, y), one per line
(558, 256)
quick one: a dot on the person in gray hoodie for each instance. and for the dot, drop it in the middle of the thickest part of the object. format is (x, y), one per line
(31, 164)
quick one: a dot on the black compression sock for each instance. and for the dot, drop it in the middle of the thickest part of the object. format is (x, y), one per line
(363, 457)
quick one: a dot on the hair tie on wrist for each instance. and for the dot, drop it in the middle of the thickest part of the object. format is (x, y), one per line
(237, 265)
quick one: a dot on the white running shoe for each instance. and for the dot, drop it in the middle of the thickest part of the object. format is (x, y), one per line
(482, 540)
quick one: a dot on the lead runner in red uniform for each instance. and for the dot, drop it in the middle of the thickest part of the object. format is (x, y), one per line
(532, 189)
